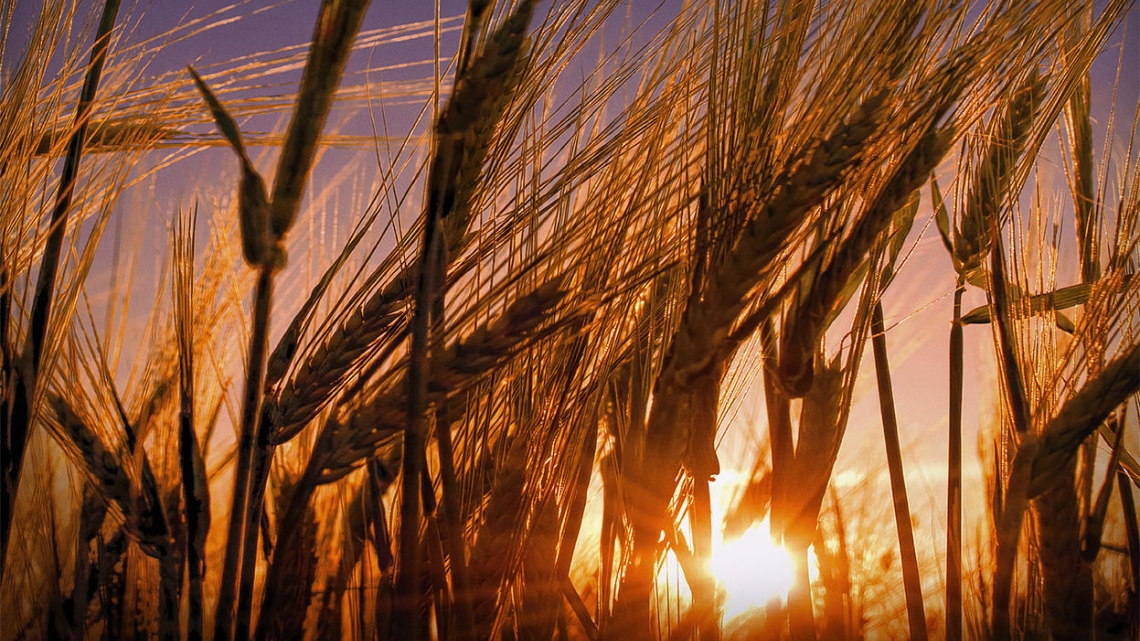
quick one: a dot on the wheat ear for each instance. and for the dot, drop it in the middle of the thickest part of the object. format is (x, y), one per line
(117, 134)
(91, 515)
(464, 134)
(752, 256)
(472, 27)
(991, 180)
(491, 559)
(800, 334)
(195, 488)
(353, 539)
(352, 440)
(333, 35)
(1080, 416)
(541, 590)
(1066, 576)
(284, 618)
(1081, 181)
(354, 436)
(1041, 462)
(135, 501)
(696, 347)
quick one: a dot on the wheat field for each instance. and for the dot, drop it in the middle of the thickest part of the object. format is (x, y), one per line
(589, 319)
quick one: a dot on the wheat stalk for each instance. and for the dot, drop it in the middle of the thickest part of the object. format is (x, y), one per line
(954, 468)
(264, 253)
(1132, 531)
(353, 540)
(821, 431)
(911, 580)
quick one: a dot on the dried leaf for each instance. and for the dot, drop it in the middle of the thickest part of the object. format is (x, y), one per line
(1059, 299)
(253, 203)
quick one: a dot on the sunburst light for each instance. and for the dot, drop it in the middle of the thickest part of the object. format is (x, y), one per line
(751, 570)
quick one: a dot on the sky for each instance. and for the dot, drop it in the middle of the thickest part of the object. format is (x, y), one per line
(917, 306)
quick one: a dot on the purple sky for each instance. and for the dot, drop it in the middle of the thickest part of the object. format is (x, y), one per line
(918, 304)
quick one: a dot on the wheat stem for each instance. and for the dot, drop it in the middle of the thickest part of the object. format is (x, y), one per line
(908, 555)
(432, 265)
(169, 589)
(230, 621)
(704, 583)
(579, 608)
(1092, 524)
(954, 477)
(782, 450)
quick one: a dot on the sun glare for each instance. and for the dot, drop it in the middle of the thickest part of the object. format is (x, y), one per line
(751, 570)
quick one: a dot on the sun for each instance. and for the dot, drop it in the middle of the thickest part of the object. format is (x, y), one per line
(751, 570)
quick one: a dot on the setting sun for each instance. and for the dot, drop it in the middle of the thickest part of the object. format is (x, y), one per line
(751, 570)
